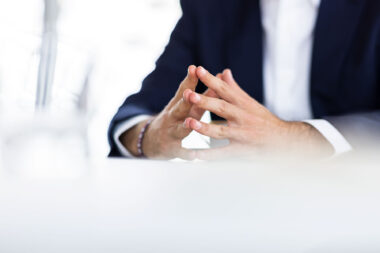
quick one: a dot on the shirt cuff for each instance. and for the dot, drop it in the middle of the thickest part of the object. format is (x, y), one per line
(122, 128)
(332, 135)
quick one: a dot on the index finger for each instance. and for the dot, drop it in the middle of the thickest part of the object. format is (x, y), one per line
(184, 108)
(221, 88)
(190, 82)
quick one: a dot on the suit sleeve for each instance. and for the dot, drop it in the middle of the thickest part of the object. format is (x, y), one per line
(160, 86)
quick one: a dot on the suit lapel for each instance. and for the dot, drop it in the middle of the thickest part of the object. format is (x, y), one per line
(334, 33)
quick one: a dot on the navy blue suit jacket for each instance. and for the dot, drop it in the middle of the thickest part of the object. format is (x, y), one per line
(219, 34)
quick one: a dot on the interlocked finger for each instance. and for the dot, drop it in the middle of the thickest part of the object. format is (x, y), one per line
(224, 91)
(218, 106)
(219, 132)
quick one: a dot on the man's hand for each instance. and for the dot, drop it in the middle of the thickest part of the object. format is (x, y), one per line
(163, 138)
(249, 124)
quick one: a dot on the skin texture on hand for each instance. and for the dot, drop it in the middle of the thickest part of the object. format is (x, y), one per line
(163, 138)
(250, 126)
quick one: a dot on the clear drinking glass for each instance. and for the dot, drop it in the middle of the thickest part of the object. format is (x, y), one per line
(49, 141)
(48, 138)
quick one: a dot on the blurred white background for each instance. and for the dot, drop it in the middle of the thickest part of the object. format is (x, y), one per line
(120, 38)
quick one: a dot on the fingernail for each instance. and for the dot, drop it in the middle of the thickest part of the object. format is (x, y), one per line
(196, 98)
(202, 71)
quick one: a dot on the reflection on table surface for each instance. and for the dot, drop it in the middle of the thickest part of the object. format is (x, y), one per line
(154, 206)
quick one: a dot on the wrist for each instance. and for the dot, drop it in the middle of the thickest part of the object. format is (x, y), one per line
(307, 139)
(141, 138)
(130, 138)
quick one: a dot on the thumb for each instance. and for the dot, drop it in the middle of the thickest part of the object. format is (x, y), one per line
(190, 82)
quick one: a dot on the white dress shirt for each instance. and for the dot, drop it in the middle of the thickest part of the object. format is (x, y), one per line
(288, 41)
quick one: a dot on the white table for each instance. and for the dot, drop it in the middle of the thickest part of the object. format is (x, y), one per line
(141, 206)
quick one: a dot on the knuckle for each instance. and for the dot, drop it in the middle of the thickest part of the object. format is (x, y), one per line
(223, 131)
(219, 133)
(178, 109)
(165, 115)
(208, 76)
(224, 87)
(169, 114)
(181, 104)
(223, 107)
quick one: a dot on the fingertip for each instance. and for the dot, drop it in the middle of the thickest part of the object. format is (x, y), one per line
(191, 72)
(227, 76)
(195, 124)
(186, 123)
(191, 69)
(194, 97)
(201, 71)
(186, 94)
